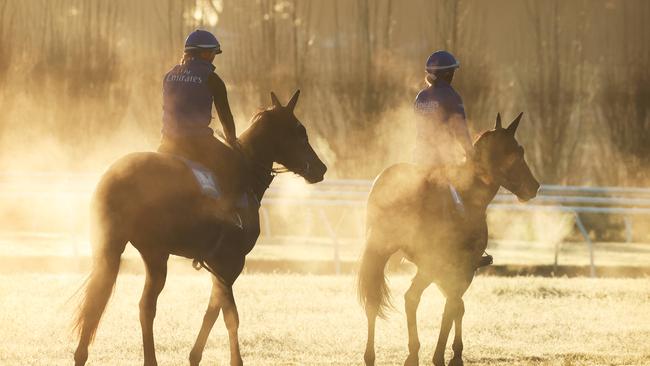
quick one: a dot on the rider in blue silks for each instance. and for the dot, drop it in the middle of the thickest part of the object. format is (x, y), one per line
(189, 91)
(443, 139)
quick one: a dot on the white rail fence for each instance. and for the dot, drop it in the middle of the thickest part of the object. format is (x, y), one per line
(337, 207)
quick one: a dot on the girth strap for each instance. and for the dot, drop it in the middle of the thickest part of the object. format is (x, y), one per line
(199, 261)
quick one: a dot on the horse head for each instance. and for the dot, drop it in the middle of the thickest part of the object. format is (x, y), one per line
(283, 139)
(500, 159)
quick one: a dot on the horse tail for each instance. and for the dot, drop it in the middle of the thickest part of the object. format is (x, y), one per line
(373, 291)
(108, 245)
(97, 290)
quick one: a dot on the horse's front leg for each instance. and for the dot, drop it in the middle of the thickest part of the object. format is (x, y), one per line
(231, 320)
(210, 317)
(411, 302)
(448, 316)
(154, 283)
(453, 313)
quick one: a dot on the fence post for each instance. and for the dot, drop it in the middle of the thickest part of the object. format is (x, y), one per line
(590, 245)
(558, 245)
(335, 241)
(628, 229)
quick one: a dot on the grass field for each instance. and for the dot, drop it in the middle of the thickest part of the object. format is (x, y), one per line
(505, 252)
(315, 320)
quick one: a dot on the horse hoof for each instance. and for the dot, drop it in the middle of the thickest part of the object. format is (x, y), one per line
(369, 358)
(456, 361)
(438, 362)
(412, 360)
(195, 359)
(80, 357)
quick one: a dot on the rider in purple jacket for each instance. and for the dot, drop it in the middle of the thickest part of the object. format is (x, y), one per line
(189, 91)
(441, 125)
(443, 139)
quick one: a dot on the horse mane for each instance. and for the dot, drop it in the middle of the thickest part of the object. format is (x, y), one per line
(263, 113)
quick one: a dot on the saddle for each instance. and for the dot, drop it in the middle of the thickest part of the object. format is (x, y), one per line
(209, 184)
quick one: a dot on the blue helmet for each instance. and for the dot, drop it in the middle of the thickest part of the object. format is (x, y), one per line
(202, 40)
(441, 60)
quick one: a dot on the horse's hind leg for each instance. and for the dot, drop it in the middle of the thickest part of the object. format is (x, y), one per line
(211, 315)
(371, 313)
(411, 302)
(156, 265)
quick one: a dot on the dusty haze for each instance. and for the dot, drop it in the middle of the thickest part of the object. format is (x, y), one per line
(81, 80)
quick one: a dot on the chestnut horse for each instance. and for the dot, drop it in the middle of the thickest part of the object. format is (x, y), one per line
(153, 201)
(411, 209)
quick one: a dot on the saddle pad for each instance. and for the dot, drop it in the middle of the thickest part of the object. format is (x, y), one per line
(205, 179)
(209, 184)
(458, 201)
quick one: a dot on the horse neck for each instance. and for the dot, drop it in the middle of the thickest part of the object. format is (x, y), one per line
(480, 190)
(259, 164)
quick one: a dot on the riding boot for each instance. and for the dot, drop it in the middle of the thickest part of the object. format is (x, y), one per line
(230, 223)
(225, 212)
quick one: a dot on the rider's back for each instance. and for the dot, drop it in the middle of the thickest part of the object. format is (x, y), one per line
(435, 144)
(187, 99)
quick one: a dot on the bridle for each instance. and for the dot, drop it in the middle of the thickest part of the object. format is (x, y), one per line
(500, 176)
(261, 175)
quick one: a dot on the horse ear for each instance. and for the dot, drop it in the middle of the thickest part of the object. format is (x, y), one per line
(274, 99)
(513, 126)
(498, 124)
(294, 99)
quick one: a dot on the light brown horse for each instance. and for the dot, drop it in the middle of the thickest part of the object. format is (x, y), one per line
(411, 209)
(153, 201)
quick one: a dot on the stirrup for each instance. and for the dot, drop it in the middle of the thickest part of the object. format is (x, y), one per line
(197, 265)
(231, 219)
(235, 220)
(485, 261)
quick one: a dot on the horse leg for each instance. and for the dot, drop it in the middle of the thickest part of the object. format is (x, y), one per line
(154, 283)
(452, 307)
(411, 302)
(371, 314)
(210, 317)
(231, 320)
(457, 346)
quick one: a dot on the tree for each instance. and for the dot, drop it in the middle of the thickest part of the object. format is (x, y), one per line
(551, 85)
(624, 99)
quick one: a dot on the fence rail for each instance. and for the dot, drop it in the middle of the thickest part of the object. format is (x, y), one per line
(351, 195)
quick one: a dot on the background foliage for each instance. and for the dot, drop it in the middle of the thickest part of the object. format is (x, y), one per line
(80, 80)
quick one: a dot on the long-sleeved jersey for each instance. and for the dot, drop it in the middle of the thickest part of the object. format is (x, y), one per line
(189, 90)
(442, 134)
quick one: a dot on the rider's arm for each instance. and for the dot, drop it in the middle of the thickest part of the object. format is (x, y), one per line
(220, 96)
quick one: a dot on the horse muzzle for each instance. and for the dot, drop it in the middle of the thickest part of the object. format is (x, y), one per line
(314, 173)
(529, 192)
